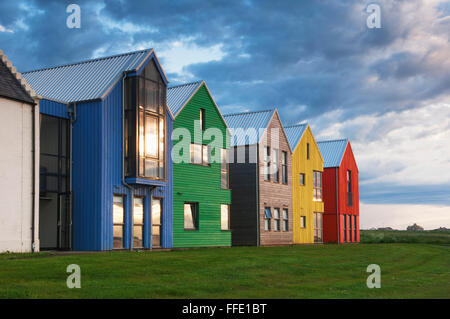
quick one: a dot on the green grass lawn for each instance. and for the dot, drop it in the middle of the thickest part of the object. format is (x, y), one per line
(319, 271)
(403, 236)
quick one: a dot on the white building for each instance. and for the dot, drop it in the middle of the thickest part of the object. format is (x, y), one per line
(19, 162)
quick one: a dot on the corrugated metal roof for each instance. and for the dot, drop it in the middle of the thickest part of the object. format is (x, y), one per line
(252, 123)
(83, 81)
(294, 133)
(179, 95)
(332, 152)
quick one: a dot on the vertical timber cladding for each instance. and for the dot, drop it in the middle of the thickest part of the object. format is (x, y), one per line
(302, 200)
(348, 163)
(200, 184)
(275, 194)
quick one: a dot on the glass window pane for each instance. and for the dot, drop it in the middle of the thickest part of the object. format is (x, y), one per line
(138, 212)
(151, 168)
(205, 151)
(141, 166)
(49, 128)
(141, 94)
(224, 213)
(188, 216)
(117, 236)
(118, 210)
(162, 172)
(151, 99)
(151, 136)
(267, 212)
(161, 99)
(196, 153)
(137, 234)
(276, 213)
(141, 134)
(161, 138)
(156, 211)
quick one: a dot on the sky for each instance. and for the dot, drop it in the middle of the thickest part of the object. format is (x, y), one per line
(386, 89)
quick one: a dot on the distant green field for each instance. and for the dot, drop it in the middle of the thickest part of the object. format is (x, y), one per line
(309, 271)
(403, 236)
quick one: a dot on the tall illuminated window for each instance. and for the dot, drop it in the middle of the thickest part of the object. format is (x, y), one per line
(145, 127)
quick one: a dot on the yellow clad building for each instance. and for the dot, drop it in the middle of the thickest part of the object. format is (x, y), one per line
(307, 168)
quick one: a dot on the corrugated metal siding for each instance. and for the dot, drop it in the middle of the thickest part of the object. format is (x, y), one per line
(53, 108)
(257, 121)
(97, 176)
(294, 133)
(178, 95)
(86, 135)
(87, 80)
(195, 183)
(332, 151)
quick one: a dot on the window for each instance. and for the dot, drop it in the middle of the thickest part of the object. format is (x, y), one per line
(199, 154)
(276, 169)
(284, 170)
(191, 216)
(144, 130)
(307, 150)
(303, 221)
(354, 228)
(285, 219)
(317, 186)
(349, 188)
(267, 218)
(345, 227)
(317, 227)
(349, 228)
(276, 217)
(138, 222)
(267, 163)
(349, 181)
(224, 168)
(156, 222)
(202, 119)
(302, 179)
(224, 217)
(118, 218)
(151, 142)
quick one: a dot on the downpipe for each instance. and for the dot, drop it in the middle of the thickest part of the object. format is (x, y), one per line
(130, 188)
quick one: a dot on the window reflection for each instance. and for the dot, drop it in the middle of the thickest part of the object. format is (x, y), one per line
(138, 222)
(145, 113)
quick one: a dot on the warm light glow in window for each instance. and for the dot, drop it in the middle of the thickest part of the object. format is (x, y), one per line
(151, 136)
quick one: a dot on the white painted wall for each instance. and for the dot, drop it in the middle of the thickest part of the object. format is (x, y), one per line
(16, 176)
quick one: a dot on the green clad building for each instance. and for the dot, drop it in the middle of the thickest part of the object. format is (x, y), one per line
(201, 194)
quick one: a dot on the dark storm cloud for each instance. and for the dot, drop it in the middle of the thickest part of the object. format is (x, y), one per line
(306, 58)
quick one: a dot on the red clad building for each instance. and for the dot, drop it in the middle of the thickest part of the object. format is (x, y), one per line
(340, 192)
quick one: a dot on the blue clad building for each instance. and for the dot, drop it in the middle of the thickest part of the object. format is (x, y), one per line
(105, 145)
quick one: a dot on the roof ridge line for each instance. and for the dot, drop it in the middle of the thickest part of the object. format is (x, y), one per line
(333, 140)
(239, 113)
(184, 84)
(295, 125)
(88, 61)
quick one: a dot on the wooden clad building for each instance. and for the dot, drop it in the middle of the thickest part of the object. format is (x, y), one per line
(260, 179)
(307, 199)
(341, 192)
(201, 200)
